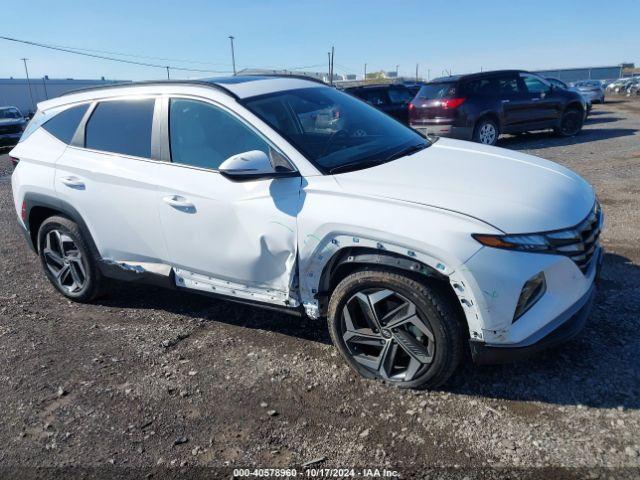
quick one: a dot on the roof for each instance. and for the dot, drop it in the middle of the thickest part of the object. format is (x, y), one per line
(468, 76)
(238, 87)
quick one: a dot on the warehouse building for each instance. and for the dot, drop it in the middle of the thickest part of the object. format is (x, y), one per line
(25, 95)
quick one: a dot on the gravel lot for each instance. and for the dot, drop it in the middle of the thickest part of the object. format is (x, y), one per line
(148, 378)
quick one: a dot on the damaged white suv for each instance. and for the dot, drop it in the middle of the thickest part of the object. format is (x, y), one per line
(283, 192)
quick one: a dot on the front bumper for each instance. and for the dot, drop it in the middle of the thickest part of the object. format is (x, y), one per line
(560, 330)
(9, 139)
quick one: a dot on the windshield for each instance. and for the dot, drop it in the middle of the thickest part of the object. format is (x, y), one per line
(335, 131)
(11, 112)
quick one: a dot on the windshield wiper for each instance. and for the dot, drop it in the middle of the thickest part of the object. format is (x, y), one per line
(407, 151)
(347, 167)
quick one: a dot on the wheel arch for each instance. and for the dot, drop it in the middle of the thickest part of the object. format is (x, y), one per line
(39, 207)
(488, 114)
(350, 259)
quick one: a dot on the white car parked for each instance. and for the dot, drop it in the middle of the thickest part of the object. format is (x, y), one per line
(413, 248)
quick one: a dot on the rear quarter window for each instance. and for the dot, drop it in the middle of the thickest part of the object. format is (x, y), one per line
(64, 125)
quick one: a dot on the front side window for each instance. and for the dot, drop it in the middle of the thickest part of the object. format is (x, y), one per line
(203, 135)
(121, 126)
(333, 129)
(374, 97)
(534, 84)
(64, 125)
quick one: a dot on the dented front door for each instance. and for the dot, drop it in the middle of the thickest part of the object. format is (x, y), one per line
(233, 238)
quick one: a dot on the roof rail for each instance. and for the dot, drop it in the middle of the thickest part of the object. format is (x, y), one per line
(284, 75)
(203, 83)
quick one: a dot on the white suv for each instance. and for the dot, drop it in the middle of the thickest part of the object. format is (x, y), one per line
(283, 192)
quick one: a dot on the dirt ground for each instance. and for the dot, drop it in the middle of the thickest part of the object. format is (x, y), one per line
(150, 382)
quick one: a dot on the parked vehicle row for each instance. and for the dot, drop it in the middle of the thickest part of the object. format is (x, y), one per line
(482, 106)
(12, 123)
(286, 193)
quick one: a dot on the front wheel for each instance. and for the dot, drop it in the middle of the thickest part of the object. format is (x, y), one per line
(393, 328)
(486, 132)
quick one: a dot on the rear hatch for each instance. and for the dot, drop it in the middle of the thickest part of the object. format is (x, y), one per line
(436, 101)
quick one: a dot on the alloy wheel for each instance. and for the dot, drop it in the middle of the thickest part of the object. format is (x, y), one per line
(570, 123)
(384, 333)
(64, 261)
(487, 134)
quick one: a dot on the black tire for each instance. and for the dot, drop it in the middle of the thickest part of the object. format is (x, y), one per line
(481, 135)
(94, 283)
(432, 308)
(570, 123)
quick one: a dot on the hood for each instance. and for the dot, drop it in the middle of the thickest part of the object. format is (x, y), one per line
(11, 121)
(512, 191)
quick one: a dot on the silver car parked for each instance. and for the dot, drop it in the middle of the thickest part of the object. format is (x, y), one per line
(591, 89)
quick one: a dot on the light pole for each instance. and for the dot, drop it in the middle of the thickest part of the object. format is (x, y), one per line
(233, 54)
(26, 70)
(397, 70)
(168, 77)
(365, 73)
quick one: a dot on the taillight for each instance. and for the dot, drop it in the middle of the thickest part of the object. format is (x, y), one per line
(23, 211)
(451, 102)
(411, 106)
(14, 160)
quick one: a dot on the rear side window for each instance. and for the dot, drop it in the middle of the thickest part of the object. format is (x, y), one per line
(64, 125)
(374, 97)
(121, 126)
(509, 86)
(438, 90)
(398, 96)
(482, 87)
(203, 135)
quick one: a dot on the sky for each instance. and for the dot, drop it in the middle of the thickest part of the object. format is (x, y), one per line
(453, 36)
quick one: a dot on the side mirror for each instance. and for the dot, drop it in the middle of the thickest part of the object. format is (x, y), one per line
(251, 165)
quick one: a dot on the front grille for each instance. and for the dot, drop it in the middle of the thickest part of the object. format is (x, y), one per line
(579, 243)
(5, 129)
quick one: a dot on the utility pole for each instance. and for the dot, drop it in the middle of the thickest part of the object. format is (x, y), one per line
(333, 52)
(44, 84)
(365, 74)
(417, 65)
(329, 74)
(233, 54)
(26, 70)
(397, 71)
(168, 76)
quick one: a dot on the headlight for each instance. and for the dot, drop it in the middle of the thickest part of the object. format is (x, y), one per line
(525, 242)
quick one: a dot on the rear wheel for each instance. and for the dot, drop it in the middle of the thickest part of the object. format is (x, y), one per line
(570, 123)
(486, 132)
(67, 261)
(390, 327)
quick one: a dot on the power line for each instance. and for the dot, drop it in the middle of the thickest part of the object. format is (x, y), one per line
(83, 52)
(112, 59)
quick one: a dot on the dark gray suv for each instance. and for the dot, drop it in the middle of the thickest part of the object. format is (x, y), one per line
(12, 123)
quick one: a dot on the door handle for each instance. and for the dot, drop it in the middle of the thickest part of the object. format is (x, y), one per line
(73, 182)
(181, 203)
(506, 101)
(535, 99)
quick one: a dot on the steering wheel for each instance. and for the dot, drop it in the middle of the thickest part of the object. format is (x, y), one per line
(342, 133)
